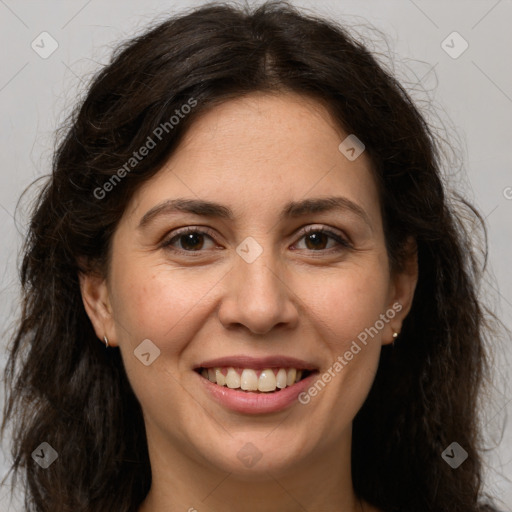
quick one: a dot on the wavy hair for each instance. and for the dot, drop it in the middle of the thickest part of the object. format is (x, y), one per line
(64, 388)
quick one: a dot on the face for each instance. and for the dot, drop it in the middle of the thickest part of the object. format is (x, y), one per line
(248, 288)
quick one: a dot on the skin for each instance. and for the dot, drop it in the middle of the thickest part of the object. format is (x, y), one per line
(252, 154)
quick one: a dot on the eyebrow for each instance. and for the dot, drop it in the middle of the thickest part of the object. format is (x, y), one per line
(293, 209)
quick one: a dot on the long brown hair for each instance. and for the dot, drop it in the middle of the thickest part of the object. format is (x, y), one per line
(65, 388)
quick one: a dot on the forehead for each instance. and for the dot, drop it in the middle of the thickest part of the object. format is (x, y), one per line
(259, 152)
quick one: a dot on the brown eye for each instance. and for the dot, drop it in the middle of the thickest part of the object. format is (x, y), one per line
(189, 240)
(192, 240)
(316, 239)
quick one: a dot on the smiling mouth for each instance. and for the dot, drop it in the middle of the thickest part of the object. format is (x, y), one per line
(269, 380)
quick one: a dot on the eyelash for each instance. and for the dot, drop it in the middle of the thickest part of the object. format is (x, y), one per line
(167, 244)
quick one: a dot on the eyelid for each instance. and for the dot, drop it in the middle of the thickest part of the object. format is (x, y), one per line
(166, 243)
(342, 239)
(337, 235)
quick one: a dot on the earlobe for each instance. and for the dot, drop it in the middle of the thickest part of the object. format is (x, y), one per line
(96, 301)
(404, 285)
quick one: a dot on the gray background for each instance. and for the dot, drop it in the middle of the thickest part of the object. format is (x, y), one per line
(468, 99)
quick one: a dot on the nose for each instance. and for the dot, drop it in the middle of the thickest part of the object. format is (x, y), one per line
(258, 297)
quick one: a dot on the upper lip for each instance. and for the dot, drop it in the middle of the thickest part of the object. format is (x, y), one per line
(257, 363)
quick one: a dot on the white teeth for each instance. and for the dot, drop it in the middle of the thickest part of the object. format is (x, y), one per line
(269, 380)
(248, 380)
(232, 379)
(281, 378)
(221, 378)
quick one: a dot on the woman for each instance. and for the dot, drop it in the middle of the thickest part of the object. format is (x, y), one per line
(247, 210)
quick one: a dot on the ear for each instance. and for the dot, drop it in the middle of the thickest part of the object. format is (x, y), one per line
(95, 296)
(402, 290)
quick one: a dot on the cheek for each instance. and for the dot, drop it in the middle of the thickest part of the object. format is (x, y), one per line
(346, 314)
(159, 302)
(348, 302)
(163, 305)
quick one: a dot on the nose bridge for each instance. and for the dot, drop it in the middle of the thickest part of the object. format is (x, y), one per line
(257, 270)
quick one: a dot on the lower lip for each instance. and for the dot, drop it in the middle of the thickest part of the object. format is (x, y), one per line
(256, 403)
